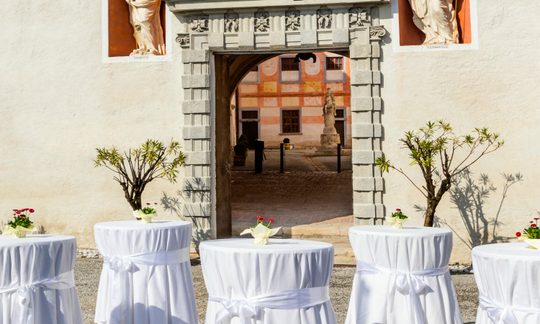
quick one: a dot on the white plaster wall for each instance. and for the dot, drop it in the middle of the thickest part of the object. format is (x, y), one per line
(495, 86)
(59, 101)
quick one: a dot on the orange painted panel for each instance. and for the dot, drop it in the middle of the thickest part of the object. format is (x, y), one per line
(270, 120)
(408, 33)
(464, 21)
(312, 120)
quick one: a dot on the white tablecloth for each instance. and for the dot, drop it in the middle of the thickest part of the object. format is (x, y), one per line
(508, 279)
(146, 277)
(284, 282)
(402, 276)
(36, 280)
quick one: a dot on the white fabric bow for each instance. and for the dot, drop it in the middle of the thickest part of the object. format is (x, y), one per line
(504, 314)
(25, 293)
(407, 283)
(251, 308)
(123, 266)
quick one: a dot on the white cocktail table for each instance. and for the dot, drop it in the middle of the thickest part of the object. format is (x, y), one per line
(508, 279)
(37, 284)
(146, 276)
(285, 281)
(402, 276)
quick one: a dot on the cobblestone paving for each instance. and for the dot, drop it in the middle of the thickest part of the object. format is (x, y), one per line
(88, 270)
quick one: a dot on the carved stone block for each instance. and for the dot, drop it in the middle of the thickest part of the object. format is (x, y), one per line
(199, 23)
(324, 18)
(183, 40)
(232, 23)
(359, 17)
(262, 21)
(292, 20)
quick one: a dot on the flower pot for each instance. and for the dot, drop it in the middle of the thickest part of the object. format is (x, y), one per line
(18, 231)
(147, 218)
(533, 243)
(397, 222)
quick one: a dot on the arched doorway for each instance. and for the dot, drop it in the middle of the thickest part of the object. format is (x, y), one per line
(219, 48)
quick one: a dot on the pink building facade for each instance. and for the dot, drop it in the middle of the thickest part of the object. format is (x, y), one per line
(283, 98)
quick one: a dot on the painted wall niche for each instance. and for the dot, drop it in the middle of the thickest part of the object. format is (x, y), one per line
(135, 30)
(436, 23)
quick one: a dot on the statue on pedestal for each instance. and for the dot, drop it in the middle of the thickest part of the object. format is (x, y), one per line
(437, 20)
(144, 16)
(329, 137)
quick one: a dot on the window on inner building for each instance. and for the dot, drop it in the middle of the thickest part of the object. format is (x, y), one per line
(290, 121)
(334, 63)
(289, 64)
(290, 70)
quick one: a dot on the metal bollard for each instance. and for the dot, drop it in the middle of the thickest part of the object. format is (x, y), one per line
(281, 157)
(259, 155)
(339, 158)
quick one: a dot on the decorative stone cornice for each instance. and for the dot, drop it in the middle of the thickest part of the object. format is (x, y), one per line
(209, 5)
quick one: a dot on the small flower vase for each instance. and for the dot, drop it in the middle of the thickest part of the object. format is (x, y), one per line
(18, 231)
(533, 243)
(147, 218)
(261, 234)
(397, 222)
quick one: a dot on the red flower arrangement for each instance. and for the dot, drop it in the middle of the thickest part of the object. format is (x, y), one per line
(532, 232)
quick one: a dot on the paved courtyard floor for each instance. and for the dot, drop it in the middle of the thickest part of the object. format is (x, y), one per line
(88, 270)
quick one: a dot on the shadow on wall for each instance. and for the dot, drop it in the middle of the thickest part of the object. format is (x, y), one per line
(470, 195)
(195, 190)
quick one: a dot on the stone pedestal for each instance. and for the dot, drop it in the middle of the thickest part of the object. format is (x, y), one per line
(329, 144)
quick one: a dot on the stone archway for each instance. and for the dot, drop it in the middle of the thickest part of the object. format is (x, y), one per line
(212, 39)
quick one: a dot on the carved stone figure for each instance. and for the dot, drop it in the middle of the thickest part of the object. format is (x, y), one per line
(292, 20)
(437, 20)
(262, 21)
(358, 17)
(199, 23)
(144, 16)
(231, 22)
(329, 137)
(324, 18)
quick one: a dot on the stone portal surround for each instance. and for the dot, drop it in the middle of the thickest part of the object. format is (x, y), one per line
(322, 28)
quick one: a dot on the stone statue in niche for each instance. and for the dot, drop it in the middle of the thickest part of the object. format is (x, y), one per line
(329, 137)
(437, 20)
(144, 16)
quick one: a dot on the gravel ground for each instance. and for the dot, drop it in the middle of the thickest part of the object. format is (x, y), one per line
(88, 270)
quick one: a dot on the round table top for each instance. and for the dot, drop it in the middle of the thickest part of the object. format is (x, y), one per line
(405, 231)
(33, 239)
(275, 245)
(507, 251)
(131, 225)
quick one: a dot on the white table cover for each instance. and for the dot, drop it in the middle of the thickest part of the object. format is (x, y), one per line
(508, 279)
(285, 281)
(37, 284)
(402, 276)
(146, 276)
